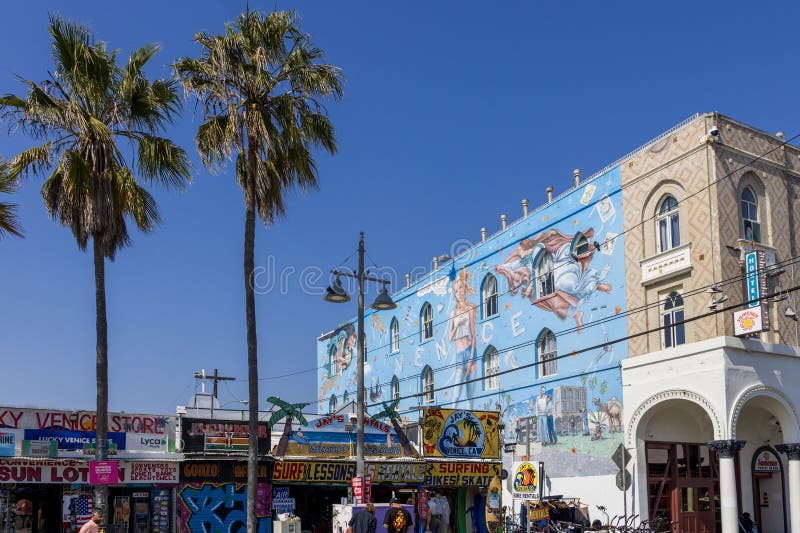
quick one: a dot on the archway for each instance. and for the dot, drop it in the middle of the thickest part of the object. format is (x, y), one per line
(677, 474)
(764, 417)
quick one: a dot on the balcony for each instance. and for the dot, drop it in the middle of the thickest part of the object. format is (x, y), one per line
(667, 264)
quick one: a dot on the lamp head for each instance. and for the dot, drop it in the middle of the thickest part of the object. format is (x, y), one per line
(383, 302)
(336, 293)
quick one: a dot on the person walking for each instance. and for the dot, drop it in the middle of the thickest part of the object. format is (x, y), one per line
(93, 525)
(397, 519)
(364, 521)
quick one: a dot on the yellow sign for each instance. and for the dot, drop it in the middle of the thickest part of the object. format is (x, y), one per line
(455, 433)
(536, 513)
(525, 483)
(342, 472)
(450, 474)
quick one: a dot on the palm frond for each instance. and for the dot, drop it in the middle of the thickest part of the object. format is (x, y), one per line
(163, 161)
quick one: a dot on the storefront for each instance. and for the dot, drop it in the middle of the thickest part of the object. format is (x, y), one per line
(48, 495)
(317, 485)
(465, 485)
(212, 496)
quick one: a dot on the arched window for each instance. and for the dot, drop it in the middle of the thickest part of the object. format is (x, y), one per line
(333, 404)
(672, 317)
(426, 322)
(668, 225)
(395, 388)
(545, 283)
(333, 360)
(394, 332)
(546, 346)
(345, 398)
(427, 385)
(491, 369)
(580, 246)
(751, 228)
(489, 296)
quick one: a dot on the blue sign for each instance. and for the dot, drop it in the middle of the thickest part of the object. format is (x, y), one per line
(6, 444)
(751, 266)
(73, 440)
(282, 502)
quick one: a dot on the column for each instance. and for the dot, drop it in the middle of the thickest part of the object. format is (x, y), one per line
(729, 512)
(793, 451)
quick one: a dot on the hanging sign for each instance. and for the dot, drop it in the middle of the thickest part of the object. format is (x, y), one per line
(103, 473)
(461, 434)
(526, 482)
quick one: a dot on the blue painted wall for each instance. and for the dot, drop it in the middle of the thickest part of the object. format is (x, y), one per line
(571, 409)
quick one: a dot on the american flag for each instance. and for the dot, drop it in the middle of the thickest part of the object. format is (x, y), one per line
(83, 510)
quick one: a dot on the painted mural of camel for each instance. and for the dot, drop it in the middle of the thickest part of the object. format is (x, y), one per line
(613, 410)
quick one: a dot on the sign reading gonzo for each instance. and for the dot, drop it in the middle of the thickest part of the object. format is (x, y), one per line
(463, 434)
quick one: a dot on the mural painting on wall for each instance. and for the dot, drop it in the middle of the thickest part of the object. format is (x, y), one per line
(544, 350)
(221, 507)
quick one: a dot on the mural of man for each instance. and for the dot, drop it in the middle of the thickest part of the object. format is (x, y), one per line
(551, 421)
(541, 417)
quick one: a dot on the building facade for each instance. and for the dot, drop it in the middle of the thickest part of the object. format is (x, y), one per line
(606, 317)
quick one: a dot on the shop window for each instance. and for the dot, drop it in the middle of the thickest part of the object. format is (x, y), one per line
(491, 369)
(668, 225)
(426, 322)
(489, 296)
(427, 385)
(546, 347)
(751, 227)
(395, 388)
(672, 318)
(394, 332)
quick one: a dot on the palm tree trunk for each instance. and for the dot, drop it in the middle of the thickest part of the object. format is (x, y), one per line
(101, 444)
(252, 341)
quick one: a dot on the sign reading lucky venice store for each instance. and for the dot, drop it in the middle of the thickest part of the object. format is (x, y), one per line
(11, 417)
(462, 434)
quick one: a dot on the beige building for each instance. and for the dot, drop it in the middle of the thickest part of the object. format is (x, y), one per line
(711, 419)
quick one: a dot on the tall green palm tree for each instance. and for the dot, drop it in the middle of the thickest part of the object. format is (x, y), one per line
(286, 412)
(86, 112)
(9, 224)
(261, 84)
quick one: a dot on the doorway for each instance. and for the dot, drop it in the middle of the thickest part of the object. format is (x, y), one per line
(769, 494)
(683, 486)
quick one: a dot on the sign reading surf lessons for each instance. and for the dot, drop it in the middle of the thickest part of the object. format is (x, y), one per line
(461, 434)
(343, 472)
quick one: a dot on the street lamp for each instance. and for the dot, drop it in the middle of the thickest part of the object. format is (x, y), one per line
(336, 294)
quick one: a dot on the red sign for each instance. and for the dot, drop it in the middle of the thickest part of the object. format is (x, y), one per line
(362, 489)
(422, 505)
(103, 472)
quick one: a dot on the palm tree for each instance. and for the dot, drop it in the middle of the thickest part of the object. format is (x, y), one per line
(262, 85)
(87, 110)
(287, 412)
(9, 225)
(390, 412)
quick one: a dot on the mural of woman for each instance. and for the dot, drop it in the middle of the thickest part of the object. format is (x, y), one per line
(542, 431)
(517, 267)
(462, 333)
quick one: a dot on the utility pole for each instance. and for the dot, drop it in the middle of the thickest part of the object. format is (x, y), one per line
(215, 378)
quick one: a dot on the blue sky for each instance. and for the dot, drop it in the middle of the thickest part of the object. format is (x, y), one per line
(453, 112)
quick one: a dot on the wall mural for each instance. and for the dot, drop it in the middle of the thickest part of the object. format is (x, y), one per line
(545, 352)
(220, 507)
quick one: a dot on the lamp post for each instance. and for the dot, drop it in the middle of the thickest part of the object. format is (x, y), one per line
(336, 294)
